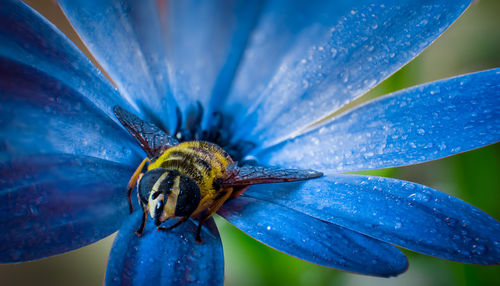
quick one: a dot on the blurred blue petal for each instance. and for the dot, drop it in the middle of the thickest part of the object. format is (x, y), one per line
(194, 45)
(205, 43)
(165, 258)
(28, 38)
(50, 204)
(41, 115)
(415, 125)
(308, 58)
(313, 240)
(125, 39)
(398, 212)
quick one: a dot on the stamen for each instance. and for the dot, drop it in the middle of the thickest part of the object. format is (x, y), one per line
(217, 133)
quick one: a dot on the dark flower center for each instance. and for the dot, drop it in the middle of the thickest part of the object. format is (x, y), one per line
(218, 132)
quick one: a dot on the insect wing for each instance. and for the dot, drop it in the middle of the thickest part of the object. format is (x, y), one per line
(251, 175)
(151, 138)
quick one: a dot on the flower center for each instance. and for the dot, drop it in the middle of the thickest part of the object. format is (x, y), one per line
(218, 132)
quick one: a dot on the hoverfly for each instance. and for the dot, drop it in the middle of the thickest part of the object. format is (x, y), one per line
(190, 179)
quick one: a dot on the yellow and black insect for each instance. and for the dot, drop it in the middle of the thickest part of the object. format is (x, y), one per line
(192, 178)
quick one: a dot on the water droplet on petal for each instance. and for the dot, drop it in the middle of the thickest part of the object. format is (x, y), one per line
(479, 249)
(333, 52)
(450, 221)
(398, 225)
(424, 22)
(34, 210)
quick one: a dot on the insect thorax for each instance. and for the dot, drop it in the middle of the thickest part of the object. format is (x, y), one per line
(204, 162)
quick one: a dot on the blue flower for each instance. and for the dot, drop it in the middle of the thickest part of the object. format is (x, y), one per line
(272, 69)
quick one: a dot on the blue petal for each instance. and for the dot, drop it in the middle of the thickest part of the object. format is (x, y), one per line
(398, 212)
(204, 57)
(50, 204)
(165, 258)
(313, 240)
(411, 126)
(41, 115)
(125, 39)
(163, 41)
(307, 59)
(28, 38)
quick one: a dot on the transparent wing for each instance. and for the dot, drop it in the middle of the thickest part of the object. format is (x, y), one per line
(251, 175)
(151, 138)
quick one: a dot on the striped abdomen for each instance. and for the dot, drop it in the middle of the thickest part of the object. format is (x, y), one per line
(202, 161)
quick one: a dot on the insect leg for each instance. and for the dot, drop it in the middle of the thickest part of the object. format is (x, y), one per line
(132, 182)
(211, 210)
(237, 192)
(204, 203)
(143, 223)
(179, 222)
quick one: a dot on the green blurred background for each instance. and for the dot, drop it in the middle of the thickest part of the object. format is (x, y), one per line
(471, 44)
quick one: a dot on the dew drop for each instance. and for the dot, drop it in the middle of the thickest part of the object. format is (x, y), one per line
(333, 52)
(424, 22)
(442, 146)
(421, 197)
(409, 186)
(451, 221)
(398, 225)
(34, 210)
(479, 249)
(305, 83)
(345, 77)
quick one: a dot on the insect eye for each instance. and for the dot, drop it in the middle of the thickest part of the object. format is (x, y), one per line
(189, 197)
(147, 182)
